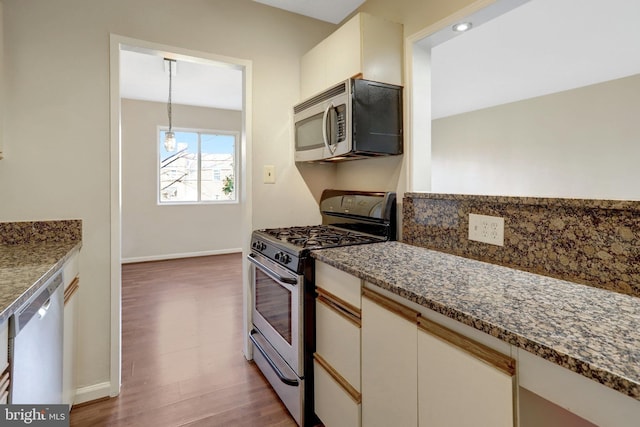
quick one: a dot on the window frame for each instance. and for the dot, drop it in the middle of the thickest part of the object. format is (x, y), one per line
(199, 131)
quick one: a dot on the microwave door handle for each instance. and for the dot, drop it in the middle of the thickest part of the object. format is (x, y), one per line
(325, 137)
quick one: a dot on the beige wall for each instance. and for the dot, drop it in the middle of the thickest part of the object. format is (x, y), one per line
(57, 141)
(580, 143)
(150, 231)
(389, 173)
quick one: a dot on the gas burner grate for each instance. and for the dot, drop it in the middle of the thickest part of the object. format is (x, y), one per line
(313, 237)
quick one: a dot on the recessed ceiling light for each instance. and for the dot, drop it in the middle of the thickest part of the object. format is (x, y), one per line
(461, 27)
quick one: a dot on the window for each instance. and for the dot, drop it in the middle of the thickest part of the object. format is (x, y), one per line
(201, 169)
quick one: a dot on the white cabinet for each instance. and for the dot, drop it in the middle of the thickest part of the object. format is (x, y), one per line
(336, 404)
(338, 283)
(338, 337)
(389, 362)
(336, 364)
(380, 363)
(71, 285)
(4, 362)
(365, 46)
(462, 383)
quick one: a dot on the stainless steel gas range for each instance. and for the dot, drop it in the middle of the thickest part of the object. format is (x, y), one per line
(283, 333)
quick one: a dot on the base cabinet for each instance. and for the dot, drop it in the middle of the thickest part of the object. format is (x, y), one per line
(336, 363)
(462, 383)
(4, 363)
(334, 404)
(71, 286)
(379, 362)
(389, 363)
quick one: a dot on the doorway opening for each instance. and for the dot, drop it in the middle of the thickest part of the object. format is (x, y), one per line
(212, 68)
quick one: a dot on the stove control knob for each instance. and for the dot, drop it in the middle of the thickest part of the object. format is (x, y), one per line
(260, 246)
(283, 258)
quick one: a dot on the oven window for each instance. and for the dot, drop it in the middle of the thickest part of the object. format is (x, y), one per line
(273, 302)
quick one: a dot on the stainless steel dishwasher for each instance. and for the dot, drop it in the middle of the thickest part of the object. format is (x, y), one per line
(35, 346)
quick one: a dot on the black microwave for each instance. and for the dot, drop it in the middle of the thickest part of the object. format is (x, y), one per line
(354, 119)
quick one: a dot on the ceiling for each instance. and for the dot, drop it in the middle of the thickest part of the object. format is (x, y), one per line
(143, 76)
(541, 47)
(333, 11)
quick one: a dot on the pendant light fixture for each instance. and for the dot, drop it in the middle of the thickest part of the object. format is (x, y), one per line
(170, 136)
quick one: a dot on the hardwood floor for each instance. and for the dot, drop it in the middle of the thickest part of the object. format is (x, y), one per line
(182, 363)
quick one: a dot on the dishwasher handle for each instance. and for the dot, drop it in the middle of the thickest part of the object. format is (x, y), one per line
(42, 311)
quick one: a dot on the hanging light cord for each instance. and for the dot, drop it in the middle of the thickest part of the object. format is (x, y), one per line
(169, 104)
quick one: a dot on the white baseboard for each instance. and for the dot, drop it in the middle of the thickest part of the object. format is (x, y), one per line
(180, 255)
(92, 392)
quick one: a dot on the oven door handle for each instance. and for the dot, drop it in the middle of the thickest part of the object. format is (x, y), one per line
(276, 370)
(279, 278)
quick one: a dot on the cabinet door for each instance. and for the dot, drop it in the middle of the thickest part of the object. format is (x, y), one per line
(462, 383)
(382, 50)
(336, 404)
(389, 363)
(71, 285)
(69, 343)
(313, 68)
(365, 46)
(343, 52)
(338, 337)
(4, 363)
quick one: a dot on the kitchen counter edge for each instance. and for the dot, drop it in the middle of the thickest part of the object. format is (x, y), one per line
(8, 310)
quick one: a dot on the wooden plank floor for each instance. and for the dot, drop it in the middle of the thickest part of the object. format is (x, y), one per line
(182, 363)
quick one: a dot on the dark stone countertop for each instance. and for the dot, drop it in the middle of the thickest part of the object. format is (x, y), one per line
(590, 331)
(25, 268)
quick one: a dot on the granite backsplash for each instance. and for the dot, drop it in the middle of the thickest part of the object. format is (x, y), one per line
(593, 242)
(15, 233)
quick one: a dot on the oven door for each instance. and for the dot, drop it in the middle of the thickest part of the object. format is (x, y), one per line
(277, 309)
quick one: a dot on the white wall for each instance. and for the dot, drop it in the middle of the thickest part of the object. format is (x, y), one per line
(582, 143)
(151, 231)
(57, 141)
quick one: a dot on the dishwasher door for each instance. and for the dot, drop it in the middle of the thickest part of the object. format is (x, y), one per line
(35, 347)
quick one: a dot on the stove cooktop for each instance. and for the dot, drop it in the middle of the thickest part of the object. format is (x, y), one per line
(289, 246)
(348, 218)
(319, 236)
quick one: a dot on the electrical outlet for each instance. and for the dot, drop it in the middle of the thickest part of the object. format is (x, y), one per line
(269, 174)
(486, 229)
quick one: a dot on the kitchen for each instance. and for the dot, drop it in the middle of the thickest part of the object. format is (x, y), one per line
(57, 76)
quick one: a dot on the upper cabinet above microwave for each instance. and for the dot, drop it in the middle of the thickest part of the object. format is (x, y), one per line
(365, 45)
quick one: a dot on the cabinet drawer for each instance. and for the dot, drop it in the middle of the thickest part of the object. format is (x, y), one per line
(334, 405)
(338, 341)
(341, 284)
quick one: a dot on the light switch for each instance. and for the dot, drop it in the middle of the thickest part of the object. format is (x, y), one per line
(269, 174)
